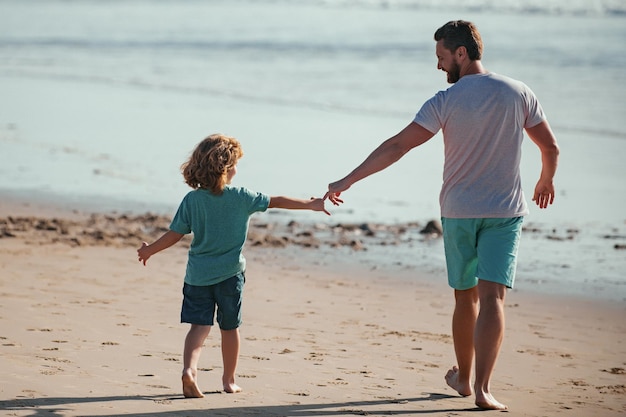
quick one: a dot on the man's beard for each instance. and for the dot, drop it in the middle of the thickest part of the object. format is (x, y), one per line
(454, 73)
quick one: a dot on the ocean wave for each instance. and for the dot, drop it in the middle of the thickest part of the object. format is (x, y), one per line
(540, 7)
(234, 46)
(533, 7)
(206, 91)
(272, 100)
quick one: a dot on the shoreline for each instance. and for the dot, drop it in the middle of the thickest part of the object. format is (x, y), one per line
(405, 249)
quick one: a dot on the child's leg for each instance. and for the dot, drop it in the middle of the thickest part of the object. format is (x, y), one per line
(193, 347)
(230, 355)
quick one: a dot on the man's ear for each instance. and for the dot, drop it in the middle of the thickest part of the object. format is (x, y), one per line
(460, 52)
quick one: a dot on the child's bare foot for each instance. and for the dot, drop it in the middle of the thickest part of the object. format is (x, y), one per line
(486, 401)
(190, 387)
(452, 379)
(231, 387)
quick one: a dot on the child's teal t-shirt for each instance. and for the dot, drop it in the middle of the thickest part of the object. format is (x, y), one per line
(219, 224)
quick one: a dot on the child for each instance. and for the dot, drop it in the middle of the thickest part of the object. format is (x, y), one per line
(217, 214)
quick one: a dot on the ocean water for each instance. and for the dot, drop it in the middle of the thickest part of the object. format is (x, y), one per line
(102, 100)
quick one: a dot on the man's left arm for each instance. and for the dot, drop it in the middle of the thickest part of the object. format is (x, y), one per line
(543, 137)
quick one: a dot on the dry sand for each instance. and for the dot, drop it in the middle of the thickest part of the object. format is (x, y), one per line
(85, 330)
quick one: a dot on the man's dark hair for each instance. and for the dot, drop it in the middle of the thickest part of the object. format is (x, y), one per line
(458, 33)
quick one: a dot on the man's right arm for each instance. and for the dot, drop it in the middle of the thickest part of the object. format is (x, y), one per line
(389, 152)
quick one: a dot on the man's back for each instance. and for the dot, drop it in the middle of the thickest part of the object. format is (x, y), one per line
(482, 117)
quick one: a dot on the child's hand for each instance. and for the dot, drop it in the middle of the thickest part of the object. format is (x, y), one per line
(318, 205)
(143, 253)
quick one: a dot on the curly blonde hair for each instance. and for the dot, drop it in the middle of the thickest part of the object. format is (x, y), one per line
(208, 165)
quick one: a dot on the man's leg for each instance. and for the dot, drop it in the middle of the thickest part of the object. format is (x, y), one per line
(488, 336)
(463, 324)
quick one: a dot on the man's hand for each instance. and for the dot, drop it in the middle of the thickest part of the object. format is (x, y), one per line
(544, 194)
(334, 191)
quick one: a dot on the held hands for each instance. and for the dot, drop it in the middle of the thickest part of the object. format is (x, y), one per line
(334, 191)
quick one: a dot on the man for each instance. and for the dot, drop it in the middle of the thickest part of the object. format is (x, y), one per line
(483, 116)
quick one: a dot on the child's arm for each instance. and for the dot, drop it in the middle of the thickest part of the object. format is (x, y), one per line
(315, 204)
(168, 239)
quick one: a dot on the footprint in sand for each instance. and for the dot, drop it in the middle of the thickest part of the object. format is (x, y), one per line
(615, 371)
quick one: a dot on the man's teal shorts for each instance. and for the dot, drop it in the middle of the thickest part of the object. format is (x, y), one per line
(483, 249)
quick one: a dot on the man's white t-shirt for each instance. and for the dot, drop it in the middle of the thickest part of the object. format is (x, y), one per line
(483, 117)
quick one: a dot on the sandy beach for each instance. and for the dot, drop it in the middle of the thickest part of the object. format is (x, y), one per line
(86, 330)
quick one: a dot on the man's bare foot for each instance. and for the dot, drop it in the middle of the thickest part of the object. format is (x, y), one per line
(452, 379)
(486, 401)
(231, 388)
(190, 388)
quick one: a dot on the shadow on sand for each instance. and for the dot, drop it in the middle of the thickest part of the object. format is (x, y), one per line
(54, 406)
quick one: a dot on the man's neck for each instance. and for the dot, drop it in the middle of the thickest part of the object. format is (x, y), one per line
(474, 67)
